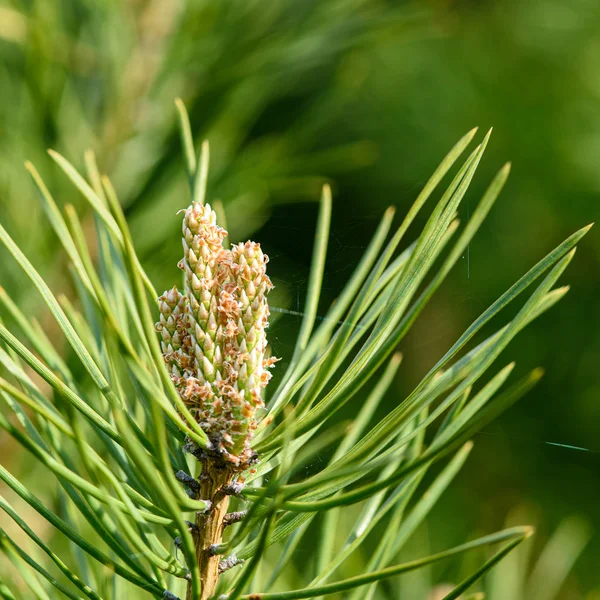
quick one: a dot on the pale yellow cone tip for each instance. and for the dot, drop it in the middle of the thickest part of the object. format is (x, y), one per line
(506, 168)
(588, 227)
(390, 211)
(397, 358)
(468, 446)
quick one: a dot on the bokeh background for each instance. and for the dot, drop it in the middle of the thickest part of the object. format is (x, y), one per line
(368, 95)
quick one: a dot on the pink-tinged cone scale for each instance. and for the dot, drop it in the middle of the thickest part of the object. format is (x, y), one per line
(214, 334)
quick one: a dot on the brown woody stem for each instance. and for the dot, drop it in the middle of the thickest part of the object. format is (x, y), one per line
(210, 525)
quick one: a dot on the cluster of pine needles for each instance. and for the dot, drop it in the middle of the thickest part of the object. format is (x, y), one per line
(115, 434)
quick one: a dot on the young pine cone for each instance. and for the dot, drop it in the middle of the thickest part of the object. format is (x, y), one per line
(214, 335)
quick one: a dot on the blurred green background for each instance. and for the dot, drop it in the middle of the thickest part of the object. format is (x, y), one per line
(368, 95)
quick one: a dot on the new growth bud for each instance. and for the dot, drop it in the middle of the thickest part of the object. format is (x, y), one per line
(214, 335)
